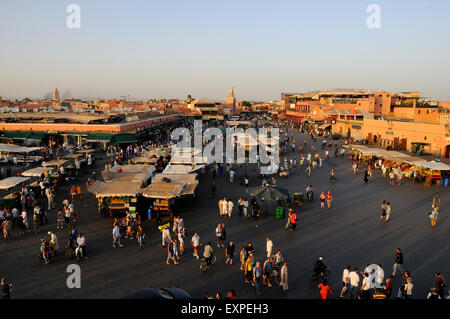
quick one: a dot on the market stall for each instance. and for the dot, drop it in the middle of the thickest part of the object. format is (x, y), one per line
(182, 169)
(434, 172)
(9, 191)
(21, 153)
(119, 197)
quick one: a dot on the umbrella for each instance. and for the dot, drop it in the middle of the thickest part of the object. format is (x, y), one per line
(268, 193)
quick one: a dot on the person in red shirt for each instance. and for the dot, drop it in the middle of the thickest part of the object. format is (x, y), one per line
(293, 218)
(324, 289)
(329, 199)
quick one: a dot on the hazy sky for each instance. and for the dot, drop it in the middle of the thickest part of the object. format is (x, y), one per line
(172, 48)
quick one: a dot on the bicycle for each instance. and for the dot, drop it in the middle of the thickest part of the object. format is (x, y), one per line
(314, 281)
(204, 265)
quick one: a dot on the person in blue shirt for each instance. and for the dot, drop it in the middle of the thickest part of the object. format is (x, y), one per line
(74, 233)
(257, 274)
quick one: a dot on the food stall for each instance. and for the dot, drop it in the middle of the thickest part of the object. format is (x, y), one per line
(432, 171)
(24, 155)
(120, 197)
(56, 176)
(130, 173)
(9, 190)
(166, 188)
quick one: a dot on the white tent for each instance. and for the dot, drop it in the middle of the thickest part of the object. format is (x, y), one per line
(10, 182)
(182, 169)
(434, 166)
(115, 189)
(54, 163)
(37, 172)
(11, 148)
(133, 169)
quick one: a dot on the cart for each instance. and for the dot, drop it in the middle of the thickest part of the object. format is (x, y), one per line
(298, 199)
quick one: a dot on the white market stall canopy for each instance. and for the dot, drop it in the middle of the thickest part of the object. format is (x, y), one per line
(175, 178)
(434, 166)
(37, 172)
(55, 163)
(163, 190)
(115, 189)
(143, 160)
(182, 169)
(10, 182)
(127, 176)
(11, 148)
(133, 169)
(86, 151)
(401, 157)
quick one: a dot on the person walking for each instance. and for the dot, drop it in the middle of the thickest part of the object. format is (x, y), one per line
(165, 236)
(322, 200)
(257, 275)
(240, 206)
(269, 247)
(54, 245)
(267, 271)
(243, 258)
(229, 253)
(249, 264)
(329, 198)
(408, 289)
(230, 206)
(388, 288)
(232, 173)
(439, 284)
(325, 289)
(388, 211)
(116, 236)
(223, 236)
(354, 283)
(433, 217)
(245, 207)
(365, 286)
(293, 220)
(219, 235)
(171, 253)
(196, 244)
(383, 211)
(284, 277)
(140, 235)
(436, 201)
(345, 281)
(398, 263)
